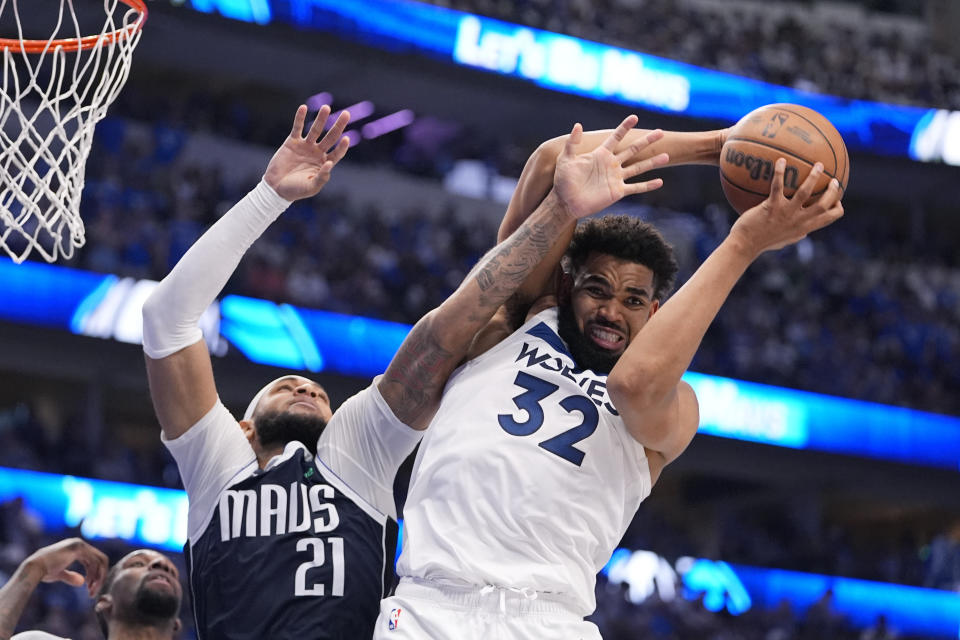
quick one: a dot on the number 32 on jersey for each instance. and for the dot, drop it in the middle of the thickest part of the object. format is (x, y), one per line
(532, 401)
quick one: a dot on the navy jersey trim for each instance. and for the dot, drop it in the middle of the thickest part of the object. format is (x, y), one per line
(548, 335)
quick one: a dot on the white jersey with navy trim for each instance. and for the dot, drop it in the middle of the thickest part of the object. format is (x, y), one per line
(527, 476)
(303, 547)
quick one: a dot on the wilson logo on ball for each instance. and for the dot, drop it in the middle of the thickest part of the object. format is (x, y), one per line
(761, 169)
(796, 133)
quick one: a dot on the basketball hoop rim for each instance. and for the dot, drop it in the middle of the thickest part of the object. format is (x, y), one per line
(78, 44)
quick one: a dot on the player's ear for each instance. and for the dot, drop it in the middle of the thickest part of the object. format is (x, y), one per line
(104, 605)
(177, 626)
(653, 308)
(248, 430)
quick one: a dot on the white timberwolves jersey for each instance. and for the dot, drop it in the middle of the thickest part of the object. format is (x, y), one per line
(526, 477)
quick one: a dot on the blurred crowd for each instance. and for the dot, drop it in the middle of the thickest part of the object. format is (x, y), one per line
(67, 611)
(841, 53)
(683, 618)
(881, 315)
(880, 312)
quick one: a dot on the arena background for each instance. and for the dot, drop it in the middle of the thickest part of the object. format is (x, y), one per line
(790, 516)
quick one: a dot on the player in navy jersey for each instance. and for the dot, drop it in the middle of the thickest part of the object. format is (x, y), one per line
(139, 597)
(565, 413)
(291, 520)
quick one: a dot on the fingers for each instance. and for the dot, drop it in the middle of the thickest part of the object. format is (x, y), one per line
(645, 165)
(806, 189)
(321, 177)
(95, 565)
(614, 139)
(72, 578)
(776, 187)
(828, 217)
(830, 197)
(643, 187)
(336, 131)
(339, 151)
(319, 122)
(633, 150)
(576, 135)
(298, 120)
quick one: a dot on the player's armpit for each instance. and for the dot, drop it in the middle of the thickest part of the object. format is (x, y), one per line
(182, 388)
(666, 427)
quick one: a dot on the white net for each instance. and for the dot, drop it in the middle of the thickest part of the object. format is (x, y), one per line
(54, 92)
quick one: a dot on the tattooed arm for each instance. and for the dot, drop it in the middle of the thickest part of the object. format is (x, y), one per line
(582, 185)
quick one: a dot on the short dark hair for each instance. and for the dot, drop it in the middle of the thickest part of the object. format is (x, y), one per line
(627, 238)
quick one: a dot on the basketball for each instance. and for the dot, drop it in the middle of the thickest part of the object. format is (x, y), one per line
(800, 135)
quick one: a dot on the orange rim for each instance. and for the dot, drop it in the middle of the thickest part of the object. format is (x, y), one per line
(76, 44)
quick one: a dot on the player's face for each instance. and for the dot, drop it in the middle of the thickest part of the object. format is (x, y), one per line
(296, 395)
(146, 588)
(610, 301)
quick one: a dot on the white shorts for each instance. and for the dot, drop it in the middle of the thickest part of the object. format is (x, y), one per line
(427, 611)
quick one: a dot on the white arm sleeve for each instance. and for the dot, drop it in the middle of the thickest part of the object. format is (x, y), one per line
(364, 444)
(172, 312)
(212, 455)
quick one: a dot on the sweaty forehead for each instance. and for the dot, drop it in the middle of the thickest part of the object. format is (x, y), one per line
(616, 272)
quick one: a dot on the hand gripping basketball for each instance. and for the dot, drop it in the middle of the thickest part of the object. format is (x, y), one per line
(779, 221)
(586, 183)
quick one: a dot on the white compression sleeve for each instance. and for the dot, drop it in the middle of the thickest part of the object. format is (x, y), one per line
(172, 312)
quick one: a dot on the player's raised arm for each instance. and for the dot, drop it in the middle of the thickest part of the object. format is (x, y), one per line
(658, 409)
(653, 148)
(49, 564)
(178, 365)
(582, 184)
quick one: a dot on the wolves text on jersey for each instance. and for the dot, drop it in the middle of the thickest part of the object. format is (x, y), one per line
(273, 509)
(594, 386)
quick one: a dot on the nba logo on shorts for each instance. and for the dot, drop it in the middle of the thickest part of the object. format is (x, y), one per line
(394, 619)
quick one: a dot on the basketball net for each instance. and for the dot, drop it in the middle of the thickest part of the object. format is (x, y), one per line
(54, 92)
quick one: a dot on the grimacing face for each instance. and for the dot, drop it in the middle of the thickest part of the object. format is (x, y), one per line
(297, 395)
(610, 300)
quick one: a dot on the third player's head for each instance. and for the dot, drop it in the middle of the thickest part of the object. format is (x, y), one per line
(291, 408)
(618, 269)
(141, 593)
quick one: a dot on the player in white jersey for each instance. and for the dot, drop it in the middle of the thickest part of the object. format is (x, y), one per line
(550, 436)
(303, 495)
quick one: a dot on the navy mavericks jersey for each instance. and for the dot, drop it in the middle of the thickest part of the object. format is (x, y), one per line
(290, 553)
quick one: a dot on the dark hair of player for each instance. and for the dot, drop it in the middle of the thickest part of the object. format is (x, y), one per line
(627, 238)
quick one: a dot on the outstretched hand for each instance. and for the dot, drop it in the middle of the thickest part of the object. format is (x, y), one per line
(779, 221)
(52, 564)
(302, 165)
(589, 182)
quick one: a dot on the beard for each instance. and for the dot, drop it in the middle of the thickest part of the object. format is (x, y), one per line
(156, 605)
(276, 428)
(586, 354)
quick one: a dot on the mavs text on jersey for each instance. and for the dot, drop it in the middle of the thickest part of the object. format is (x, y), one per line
(304, 547)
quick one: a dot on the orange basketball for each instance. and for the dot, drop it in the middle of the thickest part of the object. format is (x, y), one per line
(800, 135)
